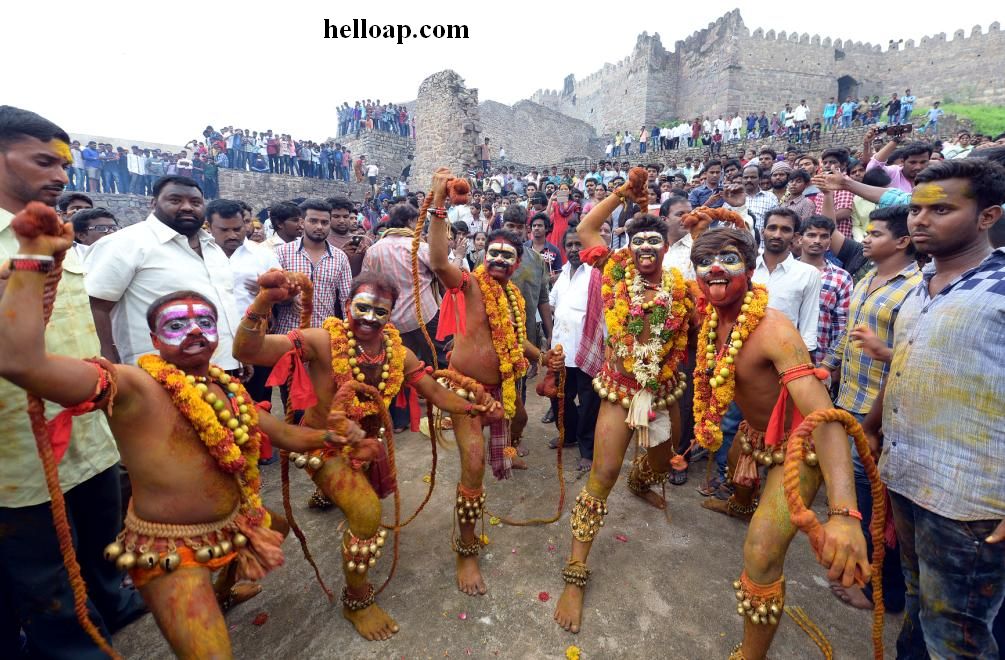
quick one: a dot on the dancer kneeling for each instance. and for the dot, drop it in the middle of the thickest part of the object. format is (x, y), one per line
(754, 355)
(365, 347)
(188, 432)
(647, 310)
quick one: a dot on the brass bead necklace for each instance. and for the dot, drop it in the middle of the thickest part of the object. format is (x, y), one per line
(358, 356)
(730, 348)
(233, 413)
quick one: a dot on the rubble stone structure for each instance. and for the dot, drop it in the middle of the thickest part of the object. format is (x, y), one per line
(726, 68)
(447, 127)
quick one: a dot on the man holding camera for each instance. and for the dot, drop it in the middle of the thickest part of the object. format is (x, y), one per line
(916, 156)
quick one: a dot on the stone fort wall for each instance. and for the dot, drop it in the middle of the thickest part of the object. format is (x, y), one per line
(727, 68)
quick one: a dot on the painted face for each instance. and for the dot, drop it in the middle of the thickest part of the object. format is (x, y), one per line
(186, 327)
(500, 255)
(722, 278)
(647, 249)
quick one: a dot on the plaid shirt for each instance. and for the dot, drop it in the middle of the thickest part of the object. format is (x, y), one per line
(835, 294)
(758, 206)
(843, 199)
(942, 411)
(332, 278)
(861, 376)
(392, 256)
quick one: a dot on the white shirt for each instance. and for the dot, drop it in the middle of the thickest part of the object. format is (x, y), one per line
(372, 170)
(799, 114)
(679, 257)
(139, 264)
(794, 290)
(568, 298)
(249, 261)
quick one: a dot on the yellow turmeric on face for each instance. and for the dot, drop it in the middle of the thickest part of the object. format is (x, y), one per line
(929, 193)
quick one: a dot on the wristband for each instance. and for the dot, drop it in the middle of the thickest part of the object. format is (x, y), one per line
(469, 410)
(31, 263)
(851, 513)
(254, 316)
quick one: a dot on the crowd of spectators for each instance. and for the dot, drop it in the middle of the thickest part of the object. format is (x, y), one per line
(375, 116)
(832, 230)
(798, 124)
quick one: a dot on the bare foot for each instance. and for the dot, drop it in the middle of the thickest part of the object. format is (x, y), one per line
(469, 576)
(373, 623)
(518, 463)
(569, 611)
(652, 498)
(521, 450)
(722, 506)
(852, 595)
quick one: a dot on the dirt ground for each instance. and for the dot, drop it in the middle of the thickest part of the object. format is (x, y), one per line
(660, 588)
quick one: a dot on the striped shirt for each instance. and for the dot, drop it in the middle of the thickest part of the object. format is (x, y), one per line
(843, 199)
(835, 294)
(861, 376)
(332, 278)
(942, 411)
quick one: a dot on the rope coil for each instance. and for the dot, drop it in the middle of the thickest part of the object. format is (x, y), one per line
(799, 443)
(38, 218)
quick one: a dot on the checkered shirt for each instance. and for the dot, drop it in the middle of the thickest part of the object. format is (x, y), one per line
(332, 278)
(843, 199)
(942, 410)
(835, 294)
(861, 376)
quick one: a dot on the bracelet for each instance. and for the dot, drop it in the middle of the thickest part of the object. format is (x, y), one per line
(469, 410)
(439, 212)
(851, 513)
(254, 316)
(31, 263)
(37, 257)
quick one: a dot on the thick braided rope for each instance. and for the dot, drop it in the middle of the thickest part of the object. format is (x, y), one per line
(306, 310)
(420, 224)
(807, 521)
(341, 402)
(560, 395)
(36, 415)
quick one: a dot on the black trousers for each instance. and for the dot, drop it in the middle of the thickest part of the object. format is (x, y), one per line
(582, 405)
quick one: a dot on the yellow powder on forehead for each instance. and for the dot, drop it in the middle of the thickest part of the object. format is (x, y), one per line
(870, 227)
(929, 193)
(63, 149)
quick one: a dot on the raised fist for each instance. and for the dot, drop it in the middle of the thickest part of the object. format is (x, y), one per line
(276, 286)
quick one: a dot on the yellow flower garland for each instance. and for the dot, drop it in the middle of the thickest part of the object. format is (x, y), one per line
(219, 440)
(509, 331)
(715, 376)
(342, 370)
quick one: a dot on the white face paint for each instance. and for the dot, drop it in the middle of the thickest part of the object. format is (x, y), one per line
(180, 319)
(500, 253)
(646, 247)
(366, 306)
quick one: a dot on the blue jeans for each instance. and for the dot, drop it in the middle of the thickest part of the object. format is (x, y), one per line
(905, 114)
(955, 584)
(730, 425)
(35, 593)
(846, 121)
(893, 575)
(828, 123)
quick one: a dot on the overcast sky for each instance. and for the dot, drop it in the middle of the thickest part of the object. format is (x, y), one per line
(161, 72)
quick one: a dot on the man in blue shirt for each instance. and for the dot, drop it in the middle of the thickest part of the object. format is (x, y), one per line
(708, 193)
(830, 111)
(847, 111)
(92, 165)
(906, 106)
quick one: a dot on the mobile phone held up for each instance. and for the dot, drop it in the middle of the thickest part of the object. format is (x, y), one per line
(896, 131)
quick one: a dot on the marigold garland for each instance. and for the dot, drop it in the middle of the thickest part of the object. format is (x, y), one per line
(241, 461)
(342, 370)
(623, 290)
(509, 332)
(711, 401)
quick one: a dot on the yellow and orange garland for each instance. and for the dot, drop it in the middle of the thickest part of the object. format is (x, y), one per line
(715, 373)
(342, 369)
(238, 456)
(622, 290)
(507, 317)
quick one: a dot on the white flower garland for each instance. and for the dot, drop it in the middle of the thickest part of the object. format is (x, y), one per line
(647, 356)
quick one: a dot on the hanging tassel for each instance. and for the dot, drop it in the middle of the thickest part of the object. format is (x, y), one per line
(262, 553)
(638, 416)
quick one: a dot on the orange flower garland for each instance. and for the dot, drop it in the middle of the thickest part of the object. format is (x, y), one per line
(241, 460)
(508, 323)
(715, 374)
(342, 369)
(625, 313)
